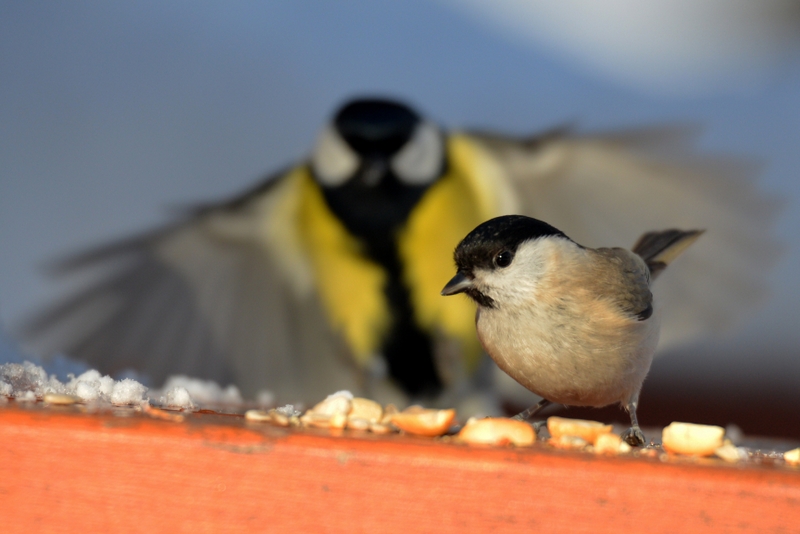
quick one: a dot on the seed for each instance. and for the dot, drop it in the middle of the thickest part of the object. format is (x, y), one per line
(356, 423)
(792, 457)
(569, 442)
(579, 428)
(497, 431)
(279, 418)
(338, 420)
(158, 413)
(730, 453)
(380, 428)
(419, 421)
(339, 402)
(608, 444)
(366, 409)
(388, 412)
(692, 439)
(61, 399)
(258, 416)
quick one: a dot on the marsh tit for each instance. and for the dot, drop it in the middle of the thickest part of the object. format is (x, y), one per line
(577, 326)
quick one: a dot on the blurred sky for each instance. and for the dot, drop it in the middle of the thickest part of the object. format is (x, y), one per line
(111, 112)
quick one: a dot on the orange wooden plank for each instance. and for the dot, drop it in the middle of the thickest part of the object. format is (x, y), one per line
(62, 471)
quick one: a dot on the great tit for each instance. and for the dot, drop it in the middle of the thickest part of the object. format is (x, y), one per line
(577, 326)
(327, 275)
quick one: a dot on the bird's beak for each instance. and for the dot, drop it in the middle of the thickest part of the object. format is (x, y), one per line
(458, 284)
(373, 171)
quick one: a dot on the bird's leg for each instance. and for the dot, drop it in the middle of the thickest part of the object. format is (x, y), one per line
(634, 435)
(530, 412)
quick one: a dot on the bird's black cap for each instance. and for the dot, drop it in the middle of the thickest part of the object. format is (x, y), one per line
(505, 233)
(376, 126)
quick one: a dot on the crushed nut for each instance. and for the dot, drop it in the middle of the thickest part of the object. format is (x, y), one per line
(610, 444)
(380, 428)
(423, 422)
(497, 431)
(792, 457)
(580, 428)
(692, 439)
(61, 399)
(388, 412)
(569, 442)
(339, 402)
(258, 416)
(356, 423)
(730, 452)
(158, 413)
(366, 409)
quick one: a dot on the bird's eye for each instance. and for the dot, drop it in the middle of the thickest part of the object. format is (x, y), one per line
(504, 258)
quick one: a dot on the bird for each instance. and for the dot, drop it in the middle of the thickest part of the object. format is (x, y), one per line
(577, 326)
(326, 274)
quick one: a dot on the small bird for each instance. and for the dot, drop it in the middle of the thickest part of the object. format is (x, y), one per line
(326, 275)
(577, 326)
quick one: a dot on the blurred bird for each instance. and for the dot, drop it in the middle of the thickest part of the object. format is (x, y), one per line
(326, 275)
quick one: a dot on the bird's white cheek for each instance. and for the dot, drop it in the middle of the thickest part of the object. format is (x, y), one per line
(509, 288)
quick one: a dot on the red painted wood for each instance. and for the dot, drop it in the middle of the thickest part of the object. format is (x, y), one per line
(62, 471)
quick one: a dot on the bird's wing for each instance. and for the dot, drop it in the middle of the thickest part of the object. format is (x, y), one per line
(622, 277)
(605, 190)
(224, 294)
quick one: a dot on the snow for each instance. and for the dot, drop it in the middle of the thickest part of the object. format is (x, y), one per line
(26, 377)
(203, 391)
(178, 397)
(91, 386)
(28, 381)
(128, 391)
(289, 410)
(26, 396)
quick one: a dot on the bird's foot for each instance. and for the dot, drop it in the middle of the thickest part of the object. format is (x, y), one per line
(634, 436)
(530, 412)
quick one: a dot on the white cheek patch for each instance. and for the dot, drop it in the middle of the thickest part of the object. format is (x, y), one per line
(333, 161)
(420, 160)
(519, 282)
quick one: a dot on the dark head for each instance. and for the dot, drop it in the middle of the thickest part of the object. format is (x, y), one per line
(490, 246)
(374, 162)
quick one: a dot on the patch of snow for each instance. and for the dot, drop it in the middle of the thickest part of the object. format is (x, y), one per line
(27, 381)
(203, 391)
(27, 378)
(178, 397)
(26, 396)
(128, 391)
(91, 386)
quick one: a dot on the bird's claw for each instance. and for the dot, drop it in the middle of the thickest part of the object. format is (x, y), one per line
(634, 437)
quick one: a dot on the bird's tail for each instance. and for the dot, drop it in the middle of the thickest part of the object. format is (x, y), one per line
(659, 249)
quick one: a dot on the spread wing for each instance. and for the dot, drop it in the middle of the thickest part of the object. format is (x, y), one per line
(219, 295)
(605, 190)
